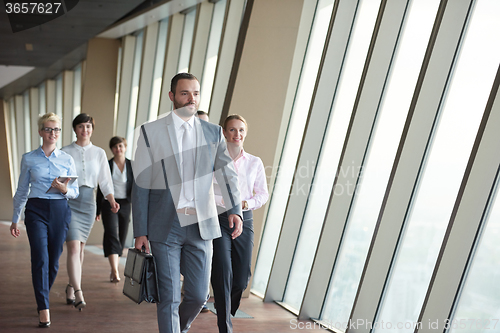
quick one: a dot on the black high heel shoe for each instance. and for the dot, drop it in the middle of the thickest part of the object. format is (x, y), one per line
(113, 278)
(80, 305)
(69, 301)
(43, 324)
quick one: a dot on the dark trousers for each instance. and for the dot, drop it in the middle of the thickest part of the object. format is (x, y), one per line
(47, 224)
(115, 227)
(231, 269)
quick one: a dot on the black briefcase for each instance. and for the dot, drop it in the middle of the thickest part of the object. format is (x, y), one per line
(141, 283)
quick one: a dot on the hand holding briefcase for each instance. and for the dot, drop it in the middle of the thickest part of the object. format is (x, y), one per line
(141, 283)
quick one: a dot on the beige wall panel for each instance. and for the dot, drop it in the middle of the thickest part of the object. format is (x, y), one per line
(50, 96)
(308, 10)
(34, 114)
(5, 180)
(68, 81)
(262, 80)
(20, 126)
(98, 99)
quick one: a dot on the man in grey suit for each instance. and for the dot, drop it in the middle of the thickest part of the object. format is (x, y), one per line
(173, 202)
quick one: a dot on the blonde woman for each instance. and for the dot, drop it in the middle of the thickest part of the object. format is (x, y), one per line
(232, 256)
(47, 213)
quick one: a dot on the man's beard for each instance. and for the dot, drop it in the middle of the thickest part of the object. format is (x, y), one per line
(186, 110)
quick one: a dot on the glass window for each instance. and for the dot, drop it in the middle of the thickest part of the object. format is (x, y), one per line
(334, 141)
(134, 93)
(27, 121)
(292, 143)
(117, 89)
(479, 302)
(77, 90)
(480, 296)
(59, 102)
(59, 95)
(377, 167)
(13, 134)
(208, 77)
(187, 41)
(42, 96)
(77, 95)
(158, 69)
(446, 162)
(329, 158)
(42, 102)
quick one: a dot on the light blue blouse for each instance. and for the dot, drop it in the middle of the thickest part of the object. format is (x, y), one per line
(37, 173)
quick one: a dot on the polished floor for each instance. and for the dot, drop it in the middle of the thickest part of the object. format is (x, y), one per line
(108, 310)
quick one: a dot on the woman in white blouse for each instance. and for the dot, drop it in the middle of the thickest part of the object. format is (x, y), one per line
(92, 170)
(232, 257)
(116, 224)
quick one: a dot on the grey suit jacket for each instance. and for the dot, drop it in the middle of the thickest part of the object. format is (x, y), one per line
(157, 173)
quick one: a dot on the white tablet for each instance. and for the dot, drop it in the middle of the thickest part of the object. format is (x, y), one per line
(62, 179)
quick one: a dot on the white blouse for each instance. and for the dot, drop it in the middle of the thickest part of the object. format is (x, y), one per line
(120, 181)
(251, 180)
(92, 167)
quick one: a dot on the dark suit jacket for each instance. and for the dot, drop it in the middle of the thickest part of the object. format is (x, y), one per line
(130, 180)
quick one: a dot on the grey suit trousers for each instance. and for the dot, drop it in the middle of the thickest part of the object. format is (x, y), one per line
(184, 249)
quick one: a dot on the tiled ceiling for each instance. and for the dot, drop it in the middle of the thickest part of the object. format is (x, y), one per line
(59, 44)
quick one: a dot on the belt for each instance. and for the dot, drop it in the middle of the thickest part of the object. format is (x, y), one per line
(187, 211)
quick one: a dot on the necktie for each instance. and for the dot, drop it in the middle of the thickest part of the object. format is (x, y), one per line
(188, 162)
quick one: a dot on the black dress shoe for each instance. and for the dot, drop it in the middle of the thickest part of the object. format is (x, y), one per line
(44, 325)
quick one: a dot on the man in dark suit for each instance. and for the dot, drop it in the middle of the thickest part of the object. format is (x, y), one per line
(174, 163)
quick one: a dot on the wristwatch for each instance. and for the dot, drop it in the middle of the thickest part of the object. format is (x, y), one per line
(245, 204)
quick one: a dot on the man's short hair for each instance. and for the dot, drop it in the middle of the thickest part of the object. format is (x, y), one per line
(180, 76)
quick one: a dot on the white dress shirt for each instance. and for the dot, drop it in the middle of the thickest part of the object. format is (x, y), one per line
(252, 182)
(120, 181)
(179, 131)
(92, 167)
